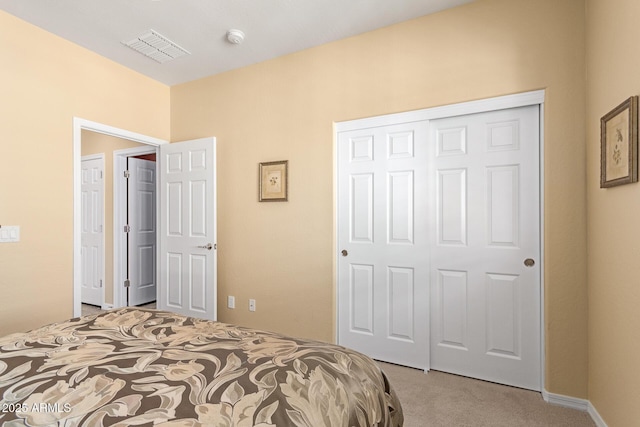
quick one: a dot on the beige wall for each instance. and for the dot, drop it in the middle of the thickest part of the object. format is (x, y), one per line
(45, 82)
(613, 61)
(96, 143)
(282, 254)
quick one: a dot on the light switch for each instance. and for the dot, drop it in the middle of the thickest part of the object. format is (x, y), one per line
(9, 233)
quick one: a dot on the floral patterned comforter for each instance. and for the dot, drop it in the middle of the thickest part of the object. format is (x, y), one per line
(135, 367)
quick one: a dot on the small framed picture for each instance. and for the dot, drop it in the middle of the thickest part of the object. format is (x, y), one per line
(274, 182)
(619, 145)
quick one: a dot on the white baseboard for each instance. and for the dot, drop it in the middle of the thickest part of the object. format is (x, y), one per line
(574, 403)
(566, 401)
(595, 416)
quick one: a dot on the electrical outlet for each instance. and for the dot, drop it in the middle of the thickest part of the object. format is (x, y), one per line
(9, 233)
(231, 301)
(252, 305)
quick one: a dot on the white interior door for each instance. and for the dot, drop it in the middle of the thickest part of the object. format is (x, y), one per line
(92, 235)
(141, 206)
(485, 257)
(383, 273)
(187, 246)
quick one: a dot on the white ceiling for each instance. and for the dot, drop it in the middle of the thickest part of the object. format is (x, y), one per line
(272, 27)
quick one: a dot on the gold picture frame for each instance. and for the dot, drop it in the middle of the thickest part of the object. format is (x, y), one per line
(274, 181)
(619, 145)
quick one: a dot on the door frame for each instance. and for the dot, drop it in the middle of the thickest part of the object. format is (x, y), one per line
(97, 156)
(523, 99)
(120, 203)
(79, 125)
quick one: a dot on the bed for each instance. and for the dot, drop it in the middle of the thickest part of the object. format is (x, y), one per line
(142, 367)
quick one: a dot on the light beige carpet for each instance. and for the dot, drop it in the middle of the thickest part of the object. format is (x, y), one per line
(439, 399)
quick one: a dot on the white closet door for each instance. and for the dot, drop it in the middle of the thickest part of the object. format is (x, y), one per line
(485, 252)
(382, 232)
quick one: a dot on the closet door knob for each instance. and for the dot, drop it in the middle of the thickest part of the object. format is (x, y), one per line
(344, 252)
(529, 262)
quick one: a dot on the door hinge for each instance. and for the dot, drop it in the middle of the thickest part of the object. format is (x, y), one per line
(127, 174)
(127, 283)
(215, 246)
(100, 282)
(127, 228)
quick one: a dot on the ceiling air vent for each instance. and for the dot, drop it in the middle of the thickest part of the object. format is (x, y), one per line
(156, 46)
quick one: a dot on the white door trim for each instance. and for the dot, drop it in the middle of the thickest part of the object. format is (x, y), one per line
(80, 124)
(479, 106)
(120, 219)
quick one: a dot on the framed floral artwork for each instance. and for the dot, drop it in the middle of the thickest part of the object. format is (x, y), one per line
(619, 145)
(274, 182)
